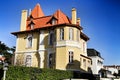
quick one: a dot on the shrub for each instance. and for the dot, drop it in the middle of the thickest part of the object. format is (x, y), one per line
(30, 73)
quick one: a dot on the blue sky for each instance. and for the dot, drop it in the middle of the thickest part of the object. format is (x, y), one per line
(99, 18)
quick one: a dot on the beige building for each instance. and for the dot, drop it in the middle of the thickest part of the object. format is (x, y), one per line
(53, 41)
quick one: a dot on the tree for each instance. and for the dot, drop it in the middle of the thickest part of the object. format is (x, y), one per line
(6, 51)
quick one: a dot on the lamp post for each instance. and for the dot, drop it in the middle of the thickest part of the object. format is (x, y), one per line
(5, 68)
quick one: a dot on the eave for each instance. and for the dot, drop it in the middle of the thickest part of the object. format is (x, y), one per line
(85, 56)
(47, 27)
(83, 36)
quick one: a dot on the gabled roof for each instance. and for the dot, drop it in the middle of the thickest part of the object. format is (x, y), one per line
(93, 52)
(37, 12)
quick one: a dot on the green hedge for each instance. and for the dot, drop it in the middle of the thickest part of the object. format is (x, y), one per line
(29, 73)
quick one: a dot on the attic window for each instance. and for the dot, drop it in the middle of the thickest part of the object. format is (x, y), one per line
(31, 26)
(53, 21)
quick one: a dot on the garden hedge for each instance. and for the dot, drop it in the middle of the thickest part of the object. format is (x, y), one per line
(30, 73)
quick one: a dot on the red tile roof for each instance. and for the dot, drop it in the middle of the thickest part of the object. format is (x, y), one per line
(39, 20)
(62, 18)
(44, 21)
(37, 12)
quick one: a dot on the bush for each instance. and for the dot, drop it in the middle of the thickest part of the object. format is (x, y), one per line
(30, 73)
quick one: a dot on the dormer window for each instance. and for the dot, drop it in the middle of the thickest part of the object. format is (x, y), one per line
(31, 26)
(53, 21)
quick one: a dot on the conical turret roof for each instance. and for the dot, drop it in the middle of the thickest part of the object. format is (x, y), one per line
(37, 11)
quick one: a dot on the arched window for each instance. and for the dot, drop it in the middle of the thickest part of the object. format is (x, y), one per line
(29, 41)
(28, 60)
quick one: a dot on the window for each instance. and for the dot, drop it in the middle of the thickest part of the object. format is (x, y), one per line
(70, 34)
(80, 61)
(99, 62)
(89, 63)
(32, 26)
(29, 41)
(28, 60)
(51, 60)
(77, 35)
(61, 33)
(84, 63)
(84, 46)
(42, 38)
(53, 21)
(70, 56)
(51, 38)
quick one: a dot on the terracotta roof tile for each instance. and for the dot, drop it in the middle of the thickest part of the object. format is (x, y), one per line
(44, 21)
(37, 12)
(39, 22)
(62, 18)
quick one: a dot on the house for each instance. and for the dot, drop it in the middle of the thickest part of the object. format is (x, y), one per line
(53, 41)
(112, 68)
(97, 60)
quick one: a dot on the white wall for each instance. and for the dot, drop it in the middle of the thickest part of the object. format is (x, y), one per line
(113, 70)
(95, 66)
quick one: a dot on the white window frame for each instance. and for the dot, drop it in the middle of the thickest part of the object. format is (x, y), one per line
(61, 33)
(84, 63)
(42, 38)
(28, 60)
(50, 65)
(77, 35)
(71, 57)
(29, 44)
(84, 47)
(31, 26)
(53, 21)
(49, 39)
(71, 34)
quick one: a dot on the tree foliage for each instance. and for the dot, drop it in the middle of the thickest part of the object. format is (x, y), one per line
(6, 51)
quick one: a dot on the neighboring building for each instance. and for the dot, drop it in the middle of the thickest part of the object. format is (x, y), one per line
(53, 41)
(106, 74)
(112, 68)
(97, 60)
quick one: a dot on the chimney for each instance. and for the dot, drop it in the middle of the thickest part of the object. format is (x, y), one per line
(29, 12)
(78, 21)
(74, 16)
(23, 20)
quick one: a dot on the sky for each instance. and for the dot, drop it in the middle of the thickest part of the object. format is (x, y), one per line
(100, 20)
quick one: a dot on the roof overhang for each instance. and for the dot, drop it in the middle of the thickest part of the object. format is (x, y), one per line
(47, 27)
(83, 36)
